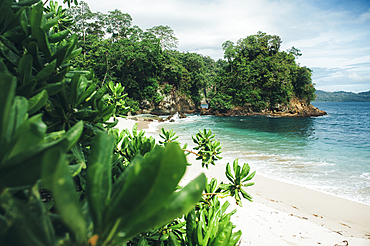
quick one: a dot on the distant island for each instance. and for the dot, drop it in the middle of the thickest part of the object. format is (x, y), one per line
(342, 96)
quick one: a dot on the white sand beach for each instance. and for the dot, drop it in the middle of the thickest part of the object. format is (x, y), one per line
(287, 214)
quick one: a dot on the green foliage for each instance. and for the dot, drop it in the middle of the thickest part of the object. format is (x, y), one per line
(260, 76)
(116, 97)
(221, 102)
(141, 61)
(166, 36)
(168, 136)
(208, 147)
(24, 142)
(167, 88)
(238, 181)
(133, 203)
(133, 144)
(210, 225)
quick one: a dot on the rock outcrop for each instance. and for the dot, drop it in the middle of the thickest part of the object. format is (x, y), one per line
(296, 108)
(171, 103)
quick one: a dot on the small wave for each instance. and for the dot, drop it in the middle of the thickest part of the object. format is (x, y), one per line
(365, 175)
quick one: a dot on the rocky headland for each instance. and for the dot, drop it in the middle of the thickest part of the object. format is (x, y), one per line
(296, 108)
(178, 103)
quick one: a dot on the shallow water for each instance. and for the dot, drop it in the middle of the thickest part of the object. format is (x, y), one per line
(329, 153)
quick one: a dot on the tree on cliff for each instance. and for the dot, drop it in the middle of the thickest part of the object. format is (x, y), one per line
(258, 74)
(166, 36)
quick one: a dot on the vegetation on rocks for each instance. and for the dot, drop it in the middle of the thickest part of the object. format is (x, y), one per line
(257, 75)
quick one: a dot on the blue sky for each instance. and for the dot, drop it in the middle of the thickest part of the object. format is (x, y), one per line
(334, 36)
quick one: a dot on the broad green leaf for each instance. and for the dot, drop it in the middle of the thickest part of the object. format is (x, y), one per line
(178, 203)
(99, 178)
(8, 84)
(246, 195)
(223, 236)
(99, 94)
(19, 114)
(52, 88)
(37, 102)
(46, 71)
(36, 17)
(24, 22)
(251, 176)
(59, 36)
(33, 49)
(15, 34)
(234, 238)
(236, 169)
(27, 90)
(25, 68)
(228, 173)
(50, 24)
(29, 135)
(72, 42)
(82, 86)
(245, 171)
(57, 178)
(60, 54)
(74, 54)
(74, 134)
(154, 177)
(86, 94)
(25, 169)
(106, 113)
(8, 53)
(75, 84)
(43, 42)
(76, 169)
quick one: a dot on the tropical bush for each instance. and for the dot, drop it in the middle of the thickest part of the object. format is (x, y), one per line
(67, 177)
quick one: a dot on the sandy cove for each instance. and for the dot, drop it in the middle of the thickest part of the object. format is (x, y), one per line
(286, 214)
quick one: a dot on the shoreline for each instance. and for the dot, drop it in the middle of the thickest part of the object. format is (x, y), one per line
(288, 214)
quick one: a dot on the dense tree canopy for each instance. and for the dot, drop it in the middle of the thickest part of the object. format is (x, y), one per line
(141, 61)
(258, 74)
(255, 73)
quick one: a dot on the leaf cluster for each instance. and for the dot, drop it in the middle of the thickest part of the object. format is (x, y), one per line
(208, 147)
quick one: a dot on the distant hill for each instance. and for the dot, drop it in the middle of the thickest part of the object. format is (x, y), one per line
(342, 96)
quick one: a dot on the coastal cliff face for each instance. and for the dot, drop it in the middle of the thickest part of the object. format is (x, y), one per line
(295, 108)
(171, 103)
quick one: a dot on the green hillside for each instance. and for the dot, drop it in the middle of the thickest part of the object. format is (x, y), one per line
(342, 96)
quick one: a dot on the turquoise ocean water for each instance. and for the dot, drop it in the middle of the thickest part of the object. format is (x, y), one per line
(329, 153)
